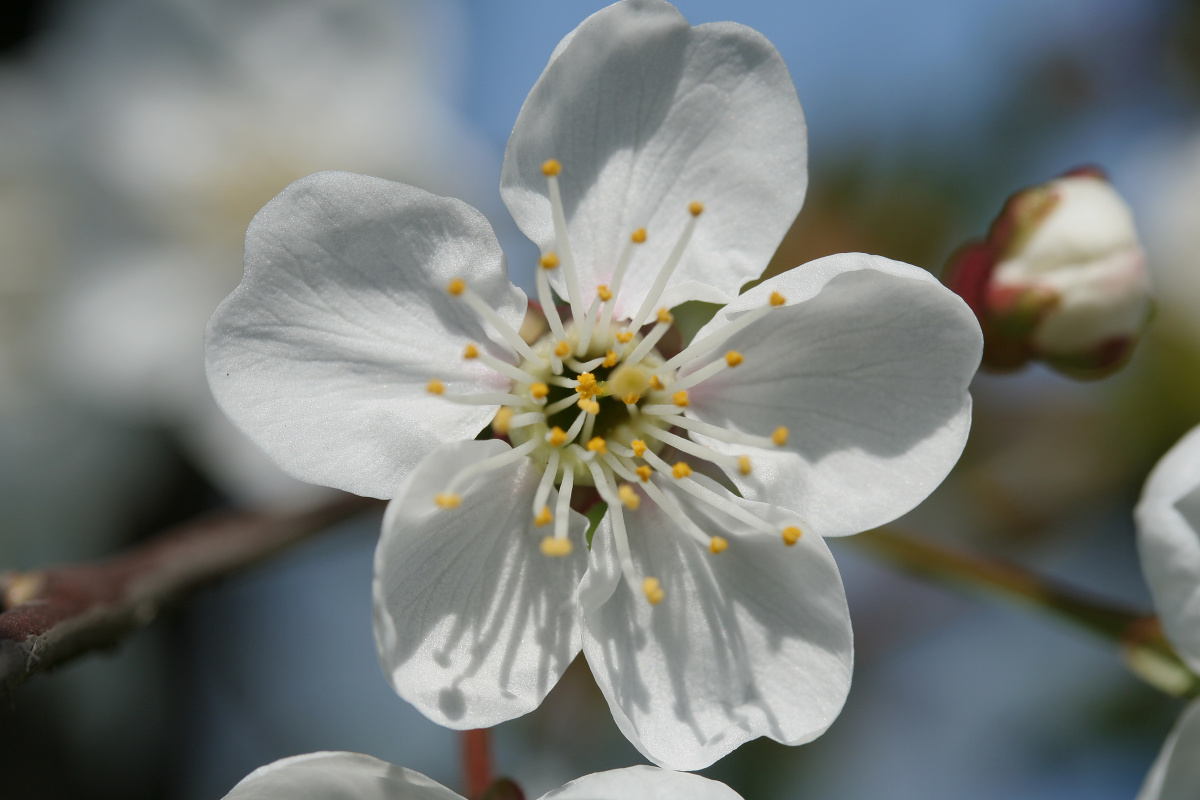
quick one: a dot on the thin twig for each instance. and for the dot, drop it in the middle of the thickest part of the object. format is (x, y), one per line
(55, 614)
(1137, 634)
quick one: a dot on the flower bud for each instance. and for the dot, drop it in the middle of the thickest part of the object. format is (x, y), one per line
(1061, 277)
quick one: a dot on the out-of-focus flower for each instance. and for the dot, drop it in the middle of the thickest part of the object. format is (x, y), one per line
(375, 335)
(1061, 278)
(320, 776)
(1168, 521)
(176, 121)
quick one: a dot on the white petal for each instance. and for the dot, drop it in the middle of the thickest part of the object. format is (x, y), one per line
(868, 366)
(1176, 772)
(337, 776)
(647, 114)
(322, 353)
(473, 624)
(754, 641)
(1168, 521)
(635, 783)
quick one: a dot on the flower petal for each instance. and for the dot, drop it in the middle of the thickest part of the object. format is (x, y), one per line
(473, 624)
(1176, 772)
(323, 352)
(1168, 521)
(647, 114)
(643, 781)
(337, 776)
(868, 366)
(752, 642)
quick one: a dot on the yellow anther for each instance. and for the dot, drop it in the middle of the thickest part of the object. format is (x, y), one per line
(562, 349)
(549, 260)
(653, 590)
(603, 293)
(610, 359)
(587, 388)
(447, 500)
(630, 399)
(638, 236)
(656, 383)
(625, 337)
(551, 167)
(501, 420)
(664, 316)
(538, 390)
(639, 448)
(544, 517)
(777, 299)
(680, 398)
(733, 358)
(590, 406)
(557, 436)
(628, 497)
(456, 286)
(597, 445)
(780, 436)
(644, 472)
(696, 208)
(717, 544)
(556, 548)
(435, 386)
(470, 351)
(791, 535)
(681, 469)
(744, 465)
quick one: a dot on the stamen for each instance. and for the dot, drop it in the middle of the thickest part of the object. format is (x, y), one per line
(653, 590)
(791, 535)
(672, 510)
(489, 464)
(681, 470)
(638, 446)
(744, 465)
(610, 360)
(606, 313)
(577, 425)
(603, 293)
(584, 366)
(716, 338)
(544, 487)
(592, 409)
(458, 288)
(554, 547)
(559, 405)
(723, 434)
(503, 367)
(668, 268)
(712, 498)
(597, 445)
(562, 349)
(588, 325)
(731, 359)
(644, 472)
(620, 536)
(502, 420)
(629, 498)
(447, 500)
(574, 296)
(435, 386)
(692, 448)
(539, 391)
(680, 399)
(562, 512)
(718, 544)
(470, 351)
(625, 337)
(546, 298)
(544, 517)
(590, 406)
(523, 420)
(777, 299)
(557, 437)
(586, 386)
(639, 352)
(780, 436)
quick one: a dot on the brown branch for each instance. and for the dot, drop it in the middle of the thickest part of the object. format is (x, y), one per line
(58, 613)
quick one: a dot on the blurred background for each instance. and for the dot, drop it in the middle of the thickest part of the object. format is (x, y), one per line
(138, 137)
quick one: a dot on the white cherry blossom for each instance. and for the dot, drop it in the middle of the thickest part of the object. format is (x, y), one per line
(376, 334)
(354, 776)
(1168, 522)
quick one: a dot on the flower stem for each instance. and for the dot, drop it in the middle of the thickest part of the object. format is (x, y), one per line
(477, 761)
(1138, 635)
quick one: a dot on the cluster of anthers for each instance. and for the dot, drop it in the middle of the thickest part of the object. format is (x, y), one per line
(594, 403)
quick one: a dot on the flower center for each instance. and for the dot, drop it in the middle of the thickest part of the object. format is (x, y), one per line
(594, 403)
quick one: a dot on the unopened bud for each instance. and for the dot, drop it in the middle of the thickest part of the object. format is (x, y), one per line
(1061, 277)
